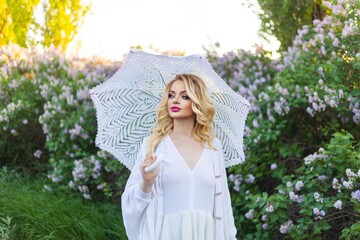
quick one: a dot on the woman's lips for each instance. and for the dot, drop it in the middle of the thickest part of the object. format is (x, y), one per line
(175, 109)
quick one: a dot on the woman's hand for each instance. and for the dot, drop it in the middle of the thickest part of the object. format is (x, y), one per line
(148, 178)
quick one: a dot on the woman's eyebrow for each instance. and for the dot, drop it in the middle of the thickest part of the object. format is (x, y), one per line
(171, 91)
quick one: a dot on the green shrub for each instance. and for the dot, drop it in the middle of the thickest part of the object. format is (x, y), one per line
(48, 121)
(306, 101)
(302, 132)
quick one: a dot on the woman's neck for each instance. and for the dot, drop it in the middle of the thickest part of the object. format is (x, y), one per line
(183, 128)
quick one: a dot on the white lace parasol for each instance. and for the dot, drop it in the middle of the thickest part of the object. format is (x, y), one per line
(126, 104)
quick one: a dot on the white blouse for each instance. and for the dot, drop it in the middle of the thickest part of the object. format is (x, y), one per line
(188, 196)
(143, 213)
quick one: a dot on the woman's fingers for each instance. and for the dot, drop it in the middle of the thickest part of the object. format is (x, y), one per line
(149, 161)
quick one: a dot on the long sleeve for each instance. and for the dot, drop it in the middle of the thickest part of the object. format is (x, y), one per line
(227, 212)
(135, 202)
(230, 223)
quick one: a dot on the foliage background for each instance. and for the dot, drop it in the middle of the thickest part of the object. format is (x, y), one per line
(300, 178)
(57, 24)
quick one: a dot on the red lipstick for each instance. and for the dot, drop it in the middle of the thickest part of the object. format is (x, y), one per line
(175, 109)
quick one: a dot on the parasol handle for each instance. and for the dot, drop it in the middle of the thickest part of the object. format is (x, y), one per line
(155, 164)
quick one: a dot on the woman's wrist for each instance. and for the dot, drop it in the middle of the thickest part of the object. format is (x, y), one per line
(146, 187)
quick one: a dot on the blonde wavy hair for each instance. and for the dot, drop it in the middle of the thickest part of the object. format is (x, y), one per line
(202, 106)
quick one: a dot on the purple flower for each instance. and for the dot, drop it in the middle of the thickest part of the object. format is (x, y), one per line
(72, 184)
(264, 226)
(322, 177)
(356, 195)
(250, 179)
(285, 227)
(318, 198)
(269, 207)
(250, 214)
(327, 4)
(38, 153)
(299, 185)
(237, 179)
(87, 196)
(273, 166)
(101, 186)
(338, 204)
(319, 214)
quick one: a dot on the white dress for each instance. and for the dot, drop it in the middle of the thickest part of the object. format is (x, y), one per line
(188, 196)
(143, 212)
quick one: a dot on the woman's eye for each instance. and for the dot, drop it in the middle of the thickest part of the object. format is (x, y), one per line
(185, 97)
(170, 96)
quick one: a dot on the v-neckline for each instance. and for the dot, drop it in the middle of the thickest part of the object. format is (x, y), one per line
(182, 158)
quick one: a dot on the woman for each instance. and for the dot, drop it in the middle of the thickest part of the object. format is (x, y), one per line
(187, 196)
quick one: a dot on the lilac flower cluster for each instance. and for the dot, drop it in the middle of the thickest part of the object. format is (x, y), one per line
(336, 185)
(320, 154)
(292, 195)
(250, 214)
(318, 198)
(354, 107)
(79, 171)
(85, 190)
(273, 166)
(348, 184)
(237, 180)
(250, 179)
(269, 207)
(67, 95)
(264, 219)
(331, 98)
(82, 167)
(356, 195)
(299, 185)
(97, 167)
(38, 153)
(10, 109)
(319, 214)
(285, 227)
(351, 175)
(338, 204)
(55, 178)
(322, 177)
(295, 197)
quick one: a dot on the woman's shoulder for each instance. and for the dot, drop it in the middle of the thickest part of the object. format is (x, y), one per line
(144, 144)
(217, 143)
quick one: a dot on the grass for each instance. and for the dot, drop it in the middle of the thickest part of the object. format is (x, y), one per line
(39, 214)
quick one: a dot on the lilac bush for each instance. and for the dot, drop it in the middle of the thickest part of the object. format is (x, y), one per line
(48, 121)
(302, 135)
(301, 176)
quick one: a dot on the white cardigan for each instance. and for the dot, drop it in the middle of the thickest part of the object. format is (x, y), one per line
(143, 212)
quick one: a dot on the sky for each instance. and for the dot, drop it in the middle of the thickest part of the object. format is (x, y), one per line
(114, 26)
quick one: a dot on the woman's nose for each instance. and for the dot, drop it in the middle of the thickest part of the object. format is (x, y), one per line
(176, 99)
